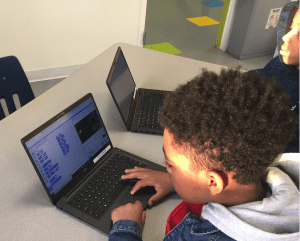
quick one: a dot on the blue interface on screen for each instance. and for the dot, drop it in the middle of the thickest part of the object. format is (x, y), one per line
(64, 148)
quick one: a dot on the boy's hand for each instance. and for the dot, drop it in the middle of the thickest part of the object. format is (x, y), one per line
(160, 181)
(130, 211)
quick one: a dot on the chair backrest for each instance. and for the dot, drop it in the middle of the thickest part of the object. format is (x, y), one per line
(13, 81)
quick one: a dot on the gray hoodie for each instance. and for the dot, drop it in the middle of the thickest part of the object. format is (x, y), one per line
(276, 217)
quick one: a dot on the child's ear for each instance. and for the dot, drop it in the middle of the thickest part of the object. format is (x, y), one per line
(215, 182)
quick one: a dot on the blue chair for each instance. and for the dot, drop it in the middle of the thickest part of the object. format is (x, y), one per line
(13, 81)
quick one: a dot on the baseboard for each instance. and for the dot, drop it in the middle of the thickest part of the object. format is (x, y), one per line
(51, 73)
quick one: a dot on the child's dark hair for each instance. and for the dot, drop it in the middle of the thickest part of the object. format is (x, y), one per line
(247, 119)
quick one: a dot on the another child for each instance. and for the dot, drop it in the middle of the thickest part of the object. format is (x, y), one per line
(284, 68)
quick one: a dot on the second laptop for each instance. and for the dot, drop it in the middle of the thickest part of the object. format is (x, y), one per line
(138, 108)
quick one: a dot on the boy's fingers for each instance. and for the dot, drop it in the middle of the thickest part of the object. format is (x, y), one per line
(134, 174)
(143, 219)
(144, 216)
(154, 199)
(139, 185)
(135, 169)
(131, 176)
(139, 203)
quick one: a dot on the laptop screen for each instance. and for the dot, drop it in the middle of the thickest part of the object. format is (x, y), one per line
(67, 146)
(121, 84)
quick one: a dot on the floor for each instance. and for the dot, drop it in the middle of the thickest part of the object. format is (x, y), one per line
(166, 22)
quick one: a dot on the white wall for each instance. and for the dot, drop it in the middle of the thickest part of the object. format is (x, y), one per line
(61, 35)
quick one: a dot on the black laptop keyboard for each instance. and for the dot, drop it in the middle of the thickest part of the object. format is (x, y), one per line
(104, 186)
(150, 104)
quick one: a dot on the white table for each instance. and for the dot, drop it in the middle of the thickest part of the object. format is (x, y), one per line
(26, 213)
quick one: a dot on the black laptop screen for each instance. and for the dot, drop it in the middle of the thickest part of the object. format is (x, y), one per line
(65, 147)
(122, 85)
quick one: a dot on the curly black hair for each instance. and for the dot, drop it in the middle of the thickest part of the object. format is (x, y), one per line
(245, 117)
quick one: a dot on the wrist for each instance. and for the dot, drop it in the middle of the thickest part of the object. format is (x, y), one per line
(124, 225)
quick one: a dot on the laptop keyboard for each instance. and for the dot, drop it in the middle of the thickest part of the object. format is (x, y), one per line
(150, 104)
(104, 186)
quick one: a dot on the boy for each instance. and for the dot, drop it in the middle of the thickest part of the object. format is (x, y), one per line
(221, 132)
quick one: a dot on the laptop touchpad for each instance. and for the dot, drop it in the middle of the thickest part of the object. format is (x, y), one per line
(145, 191)
(149, 190)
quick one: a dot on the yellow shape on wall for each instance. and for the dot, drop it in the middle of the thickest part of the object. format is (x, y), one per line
(203, 21)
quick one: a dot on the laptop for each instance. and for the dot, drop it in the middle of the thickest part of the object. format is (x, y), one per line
(138, 108)
(79, 167)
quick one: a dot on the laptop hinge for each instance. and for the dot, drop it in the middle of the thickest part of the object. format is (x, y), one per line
(134, 93)
(96, 159)
(133, 110)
